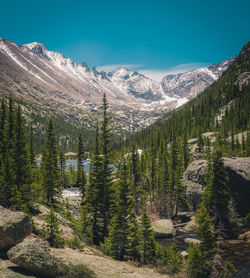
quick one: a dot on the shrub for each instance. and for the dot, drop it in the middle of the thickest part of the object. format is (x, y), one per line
(74, 271)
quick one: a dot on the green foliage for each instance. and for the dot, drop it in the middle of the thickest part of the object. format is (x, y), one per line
(74, 271)
(134, 242)
(117, 242)
(173, 259)
(229, 270)
(197, 265)
(75, 243)
(106, 172)
(205, 233)
(216, 196)
(80, 176)
(148, 243)
(99, 195)
(49, 165)
(52, 230)
(15, 167)
(200, 256)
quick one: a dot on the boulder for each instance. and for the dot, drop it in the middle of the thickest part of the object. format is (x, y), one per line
(14, 227)
(35, 256)
(163, 228)
(238, 171)
(245, 236)
(190, 240)
(194, 181)
(184, 254)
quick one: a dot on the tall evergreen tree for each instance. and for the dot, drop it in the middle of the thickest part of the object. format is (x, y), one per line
(201, 255)
(52, 229)
(32, 148)
(62, 166)
(80, 177)
(117, 242)
(22, 161)
(135, 177)
(106, 174)
(134, 239)
(8, 166)
(185, 150)
(50, 168)
(148, 244)
(200, 141)
(92, 203)
(216, 196)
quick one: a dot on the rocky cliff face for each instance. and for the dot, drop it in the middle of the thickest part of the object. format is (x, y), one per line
(191, 83)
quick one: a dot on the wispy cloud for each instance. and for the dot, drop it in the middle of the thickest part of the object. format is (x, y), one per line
(108, 68)
(155, 74)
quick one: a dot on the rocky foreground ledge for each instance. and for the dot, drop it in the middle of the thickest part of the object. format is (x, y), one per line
(29, 256)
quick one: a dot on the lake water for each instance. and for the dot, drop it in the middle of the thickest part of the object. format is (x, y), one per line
(73, 162)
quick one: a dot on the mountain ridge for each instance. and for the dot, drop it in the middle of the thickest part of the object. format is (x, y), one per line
(50, 84)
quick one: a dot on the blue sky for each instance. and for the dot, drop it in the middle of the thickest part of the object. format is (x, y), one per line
(156, 36)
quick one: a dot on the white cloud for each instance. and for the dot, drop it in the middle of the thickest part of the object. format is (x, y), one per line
(156, 74)
(108, 68)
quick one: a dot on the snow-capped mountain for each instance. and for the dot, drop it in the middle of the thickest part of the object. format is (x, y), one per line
(137, 84)
(56, 84)
(189, 84)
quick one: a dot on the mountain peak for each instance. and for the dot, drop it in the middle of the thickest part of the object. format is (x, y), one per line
(33, 45)
(38, 48)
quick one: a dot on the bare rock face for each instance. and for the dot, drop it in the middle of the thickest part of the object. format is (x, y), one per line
(194, 180)
(238, 171)
(14, 227)
(35, 256)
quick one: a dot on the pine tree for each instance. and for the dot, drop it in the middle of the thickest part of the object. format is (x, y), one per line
(80, 177)
(216, 195)
(8, 188)
(173, 259)
(52, 229)
(93, 199)
(200, 142)
(117, 242)
(134, 239)
(205, 233)
(200, 256)
(62, 166)
(32, 149)
(135, 177)
(50, 170)
(197, 267)
(2, 153)
(185, 151)
(22, 161)
(106, 171)
(148, 244)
